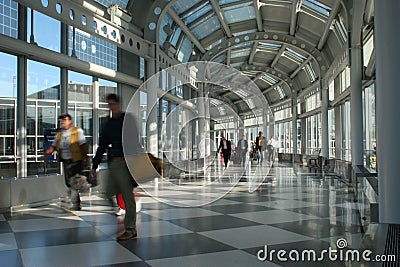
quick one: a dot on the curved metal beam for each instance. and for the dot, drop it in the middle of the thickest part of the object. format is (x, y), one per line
(273, 37)
(279, 75)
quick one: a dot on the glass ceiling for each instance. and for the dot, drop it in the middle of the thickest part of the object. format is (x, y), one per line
(108, 3)
(318, 7)
(182, 5)
(196, 13)
(239, 12)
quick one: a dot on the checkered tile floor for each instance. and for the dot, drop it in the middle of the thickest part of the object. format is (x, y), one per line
(292, 210)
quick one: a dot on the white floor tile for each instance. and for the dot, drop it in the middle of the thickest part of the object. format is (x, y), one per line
(234, 258)
(254, 236)
(7, 241)
(273, 216)
(159, 228)
(180, 213)
(86, 254)
(45, 224)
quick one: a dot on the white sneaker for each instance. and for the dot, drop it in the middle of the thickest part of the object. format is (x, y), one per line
(120, 212)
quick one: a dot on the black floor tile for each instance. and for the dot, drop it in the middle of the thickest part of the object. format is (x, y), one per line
(173, 246)
(5, 228)
(236, 208)
(324, 211)
(10, 258)
(318, 228)
(127, 264)
(251, 198)
(209, 223)
(59, 237)
(101, 219)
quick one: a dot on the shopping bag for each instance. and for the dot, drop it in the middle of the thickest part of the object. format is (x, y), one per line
(144, 167)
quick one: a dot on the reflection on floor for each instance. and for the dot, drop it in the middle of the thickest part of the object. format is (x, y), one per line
(291, 210)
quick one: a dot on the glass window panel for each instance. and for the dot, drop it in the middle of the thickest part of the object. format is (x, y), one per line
(367, 50)
(163, 35)
(8, 146)
(269, 79)
(215, 43)
(317, 6)
(9, 18)
(106, 88)
(224, 2)
(43, 81)
(93, 49)
(80, 87)
(185, 50)
(206, 26)
(8, 76)
(181, 6)
(196, 13)
(240, 53)
(280, 92)
(244, 32)
(108, 3)
(46, 118)
(332, 90)
(175, 36)
(31, 120)
(241, 12)
(83, 119)
(42, 37)
(7, 119)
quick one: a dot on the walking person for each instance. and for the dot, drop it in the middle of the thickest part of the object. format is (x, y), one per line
(271, 147)
(225, 147)
(242, 149)
(70, 144)
(119, 179)
(261, 144)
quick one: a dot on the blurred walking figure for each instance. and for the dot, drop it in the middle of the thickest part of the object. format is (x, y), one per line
(242, 149)
(261, 144)
(71, 146)
(120, 180)
(225, 147)
(271, 147)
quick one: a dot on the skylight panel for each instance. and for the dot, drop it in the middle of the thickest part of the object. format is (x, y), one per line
(293, 55)
(215, 43)
(240, 12)
(310, 72)
(224, 2)
(270, 80)
(108, 3)
(181, 6)
(267, 47)
(205, 26)
(280, 92)
(242, 93)
(317, 7)
(240, 53)
(196, 13)
(244, 32)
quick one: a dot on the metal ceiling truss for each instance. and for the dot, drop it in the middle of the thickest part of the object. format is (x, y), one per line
(220, 17)
(273, 37)
(80, 17)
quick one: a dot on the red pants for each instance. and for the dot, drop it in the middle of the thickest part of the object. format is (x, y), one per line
(120, 200)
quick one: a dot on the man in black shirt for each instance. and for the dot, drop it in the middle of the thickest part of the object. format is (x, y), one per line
(120, 179)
